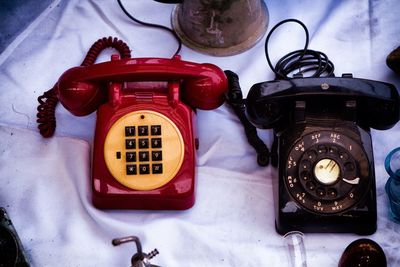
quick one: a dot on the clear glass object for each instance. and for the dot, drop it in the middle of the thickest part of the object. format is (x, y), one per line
(392, 166)
(294, 242)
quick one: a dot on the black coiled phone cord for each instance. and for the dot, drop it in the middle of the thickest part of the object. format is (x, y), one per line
(235, 99)
(304, 60)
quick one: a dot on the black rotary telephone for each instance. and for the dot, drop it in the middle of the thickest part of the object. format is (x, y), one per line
(326, 179)
(322, 147)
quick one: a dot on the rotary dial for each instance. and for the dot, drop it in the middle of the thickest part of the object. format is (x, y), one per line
(327, 172)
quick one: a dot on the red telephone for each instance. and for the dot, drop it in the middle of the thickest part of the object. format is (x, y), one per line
(143, 155)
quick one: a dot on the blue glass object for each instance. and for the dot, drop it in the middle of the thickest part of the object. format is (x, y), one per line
(392, 166)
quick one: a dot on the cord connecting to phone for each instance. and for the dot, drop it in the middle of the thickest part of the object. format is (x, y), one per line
(303, 60)
(162, 27)
(309, 60)
(48, 101)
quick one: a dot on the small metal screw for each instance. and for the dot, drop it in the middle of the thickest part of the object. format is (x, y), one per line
(325, 86)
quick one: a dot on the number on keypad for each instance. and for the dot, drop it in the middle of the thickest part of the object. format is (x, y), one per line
(156, 130)
(130, 156)
(143, 143)
(156, 142)
(143, 130)
(130, 131)
(130, 169)
(143, 156)
(130, 143)
(157, 168)
(144, 169)
(156, 155)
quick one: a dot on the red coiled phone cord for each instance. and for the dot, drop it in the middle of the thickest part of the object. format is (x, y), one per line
(48, 101)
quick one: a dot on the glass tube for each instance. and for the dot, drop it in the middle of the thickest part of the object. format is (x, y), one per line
(294, 242)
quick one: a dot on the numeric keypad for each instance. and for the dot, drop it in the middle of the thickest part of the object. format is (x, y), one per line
(144, 147)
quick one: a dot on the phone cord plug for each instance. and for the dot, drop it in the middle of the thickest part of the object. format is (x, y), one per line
(48, 101)
(235, 99)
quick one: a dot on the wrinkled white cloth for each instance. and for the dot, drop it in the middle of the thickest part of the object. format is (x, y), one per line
(45, 182)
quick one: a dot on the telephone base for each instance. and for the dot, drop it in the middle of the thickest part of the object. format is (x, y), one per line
(141, 202)
(158, 136)
(360, 226)
(360, 222)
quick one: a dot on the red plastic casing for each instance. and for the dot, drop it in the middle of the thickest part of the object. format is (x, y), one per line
(177, 194)
(83, 89)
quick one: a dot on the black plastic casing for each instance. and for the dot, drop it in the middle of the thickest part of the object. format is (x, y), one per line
(302, 108)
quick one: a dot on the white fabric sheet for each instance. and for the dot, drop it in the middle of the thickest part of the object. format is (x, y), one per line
(45, 182)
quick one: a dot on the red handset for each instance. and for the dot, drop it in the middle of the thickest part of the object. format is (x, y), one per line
(144, 145)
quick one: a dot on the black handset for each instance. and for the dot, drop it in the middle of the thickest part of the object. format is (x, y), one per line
(326, 180)
(376, 104)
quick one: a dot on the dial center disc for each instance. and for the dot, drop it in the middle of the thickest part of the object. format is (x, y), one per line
(327, 171)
